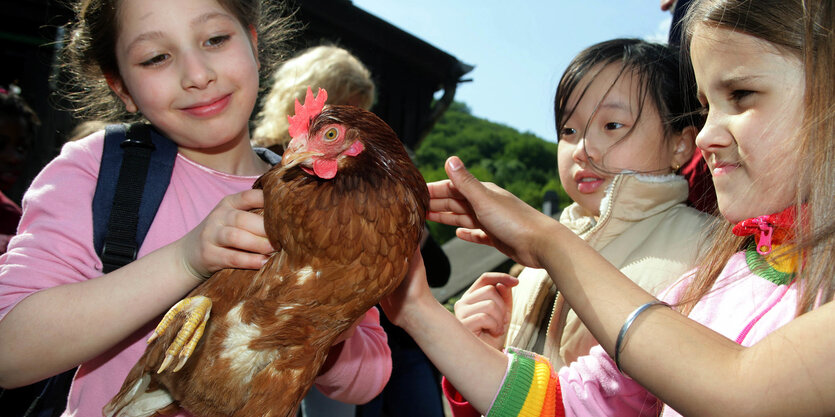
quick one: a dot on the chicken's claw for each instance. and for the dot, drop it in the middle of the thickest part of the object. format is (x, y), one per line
(197, 309)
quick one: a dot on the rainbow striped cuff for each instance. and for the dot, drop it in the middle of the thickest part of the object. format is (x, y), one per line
(530, 388)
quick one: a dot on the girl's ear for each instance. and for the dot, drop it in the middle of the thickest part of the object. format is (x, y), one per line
(115, 83)
(684, 144)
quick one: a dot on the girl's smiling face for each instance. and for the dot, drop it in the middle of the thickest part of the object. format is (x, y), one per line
(753, 94)
(593, 143)
(190, 67)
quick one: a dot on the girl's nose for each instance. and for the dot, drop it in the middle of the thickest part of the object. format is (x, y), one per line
(197, 71)
(583, 152)
(714, 134)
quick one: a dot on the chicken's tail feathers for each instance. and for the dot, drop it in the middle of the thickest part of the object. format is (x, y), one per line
(134, 400)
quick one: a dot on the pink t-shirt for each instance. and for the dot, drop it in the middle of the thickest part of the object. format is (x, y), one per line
(54, 246)
(742, 307)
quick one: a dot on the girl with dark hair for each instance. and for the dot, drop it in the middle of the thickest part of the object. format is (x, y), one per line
(623, 131)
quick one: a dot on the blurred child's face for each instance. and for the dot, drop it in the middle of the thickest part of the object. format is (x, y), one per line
(754, 96)
(14, 144)
(592, 140)
(190, 67)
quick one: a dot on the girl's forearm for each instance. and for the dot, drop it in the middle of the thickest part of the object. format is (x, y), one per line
(474, 368)
(600, 294)
(57, 328)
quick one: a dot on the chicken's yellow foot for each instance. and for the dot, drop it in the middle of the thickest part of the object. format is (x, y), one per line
(197, 309)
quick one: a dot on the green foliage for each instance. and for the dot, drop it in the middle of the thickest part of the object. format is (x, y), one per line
(522, 163)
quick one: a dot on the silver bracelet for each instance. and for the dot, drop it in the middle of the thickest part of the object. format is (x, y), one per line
(628, 323)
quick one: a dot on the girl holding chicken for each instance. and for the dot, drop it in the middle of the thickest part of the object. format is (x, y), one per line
(191, 69)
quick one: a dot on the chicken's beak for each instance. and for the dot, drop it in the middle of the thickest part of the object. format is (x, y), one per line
(292, 158)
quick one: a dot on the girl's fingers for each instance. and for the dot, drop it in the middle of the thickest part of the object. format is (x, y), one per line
(493, 278)
(482, 323)
(506, 293)
(443, 189)
(480, 302)
(239, 239)
(474, 236)
(485, 305)
(449, 205)
(452, 219)
(470, 188)
(245, 220)
(484, 286)
(253, 236)
(244, 260)
(241, 229)
(246, 200)
(231, 236)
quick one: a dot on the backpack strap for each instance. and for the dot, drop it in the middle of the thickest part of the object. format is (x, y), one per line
(135, 171)
(267, 155)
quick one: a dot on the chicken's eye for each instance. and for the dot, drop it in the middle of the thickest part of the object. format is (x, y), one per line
(331, 134)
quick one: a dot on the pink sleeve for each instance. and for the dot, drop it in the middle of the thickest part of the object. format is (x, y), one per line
(593, 386)
(54, 244)
(363, 367)
(457, 404)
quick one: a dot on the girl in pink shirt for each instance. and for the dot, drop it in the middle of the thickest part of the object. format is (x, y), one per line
(749, 332)
(191, 68)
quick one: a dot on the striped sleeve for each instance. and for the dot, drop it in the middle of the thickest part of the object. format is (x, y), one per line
(531, 388)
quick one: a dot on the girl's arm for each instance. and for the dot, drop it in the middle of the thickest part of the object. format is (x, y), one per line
(471, 365)
(60, 326)
(480, 379)
(688, 366)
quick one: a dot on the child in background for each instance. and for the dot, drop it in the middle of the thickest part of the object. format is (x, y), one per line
(341, 74)
(623, 131)
(18, 123)
(750, 332)
(190, 67)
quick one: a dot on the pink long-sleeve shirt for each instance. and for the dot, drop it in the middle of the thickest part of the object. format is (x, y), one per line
(742, 306)
(54, 246)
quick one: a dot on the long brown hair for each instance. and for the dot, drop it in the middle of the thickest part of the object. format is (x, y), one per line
(89, 51)
(802, 28)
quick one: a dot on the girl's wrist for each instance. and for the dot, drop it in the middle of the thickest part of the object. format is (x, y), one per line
(417, 313)
(193, 273)
(543, 242)
(185, 268)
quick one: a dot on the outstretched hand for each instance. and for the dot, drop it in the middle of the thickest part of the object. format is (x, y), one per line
(487, 214)
(485, 307)
(231, 236)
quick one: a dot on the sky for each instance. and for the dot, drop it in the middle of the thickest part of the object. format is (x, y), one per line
(519, 48)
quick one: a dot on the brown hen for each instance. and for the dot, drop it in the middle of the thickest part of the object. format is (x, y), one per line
(344, 210)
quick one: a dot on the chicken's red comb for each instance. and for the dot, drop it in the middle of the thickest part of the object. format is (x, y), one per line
(304, 113)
